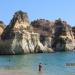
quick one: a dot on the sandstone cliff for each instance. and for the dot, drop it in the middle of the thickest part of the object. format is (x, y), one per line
(58, 35)
(73, 30)
(44, 28)
(63, 38)
(2, 27)
(21, 37)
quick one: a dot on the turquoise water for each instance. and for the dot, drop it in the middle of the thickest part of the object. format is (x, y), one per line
(53, 63)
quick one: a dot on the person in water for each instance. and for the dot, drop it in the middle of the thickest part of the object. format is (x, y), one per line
(40, 67)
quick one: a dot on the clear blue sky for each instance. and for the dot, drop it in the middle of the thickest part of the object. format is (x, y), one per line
(48, 9)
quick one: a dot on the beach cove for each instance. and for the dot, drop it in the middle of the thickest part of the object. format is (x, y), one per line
(53, 64)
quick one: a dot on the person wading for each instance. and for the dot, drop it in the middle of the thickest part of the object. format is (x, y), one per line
(40, 67)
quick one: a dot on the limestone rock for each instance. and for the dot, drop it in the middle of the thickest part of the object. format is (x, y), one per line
(73, 30)
(20, 37)
(63, 36)
(19, 21)
(2, 27)
(57, 35)
(44, 28)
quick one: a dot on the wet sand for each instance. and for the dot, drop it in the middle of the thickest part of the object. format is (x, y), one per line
(16, 72)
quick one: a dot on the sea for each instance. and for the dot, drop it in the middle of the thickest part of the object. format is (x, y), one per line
(59, 63)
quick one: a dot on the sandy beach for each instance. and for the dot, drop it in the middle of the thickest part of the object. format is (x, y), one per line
(16, 72)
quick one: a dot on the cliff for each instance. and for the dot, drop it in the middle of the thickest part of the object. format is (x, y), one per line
(44, 28)
(63, 38)
(19, 21)
(57, 35)
(20, 37)
(2, 27)
(73, 30)
(41, 35)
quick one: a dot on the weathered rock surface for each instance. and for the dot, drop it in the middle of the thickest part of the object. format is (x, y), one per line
(57, 35)
(63, 38)
(44, 28)
(19, 37)
(2, 27)
(73, 30)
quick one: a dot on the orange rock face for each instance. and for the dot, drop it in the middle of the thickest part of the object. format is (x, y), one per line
(1, 30)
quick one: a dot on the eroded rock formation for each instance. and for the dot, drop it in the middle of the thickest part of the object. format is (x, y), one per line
(73, 29)
(2, 27)
(44, 28)
(63, 38)
(21, 37)
(58, 35)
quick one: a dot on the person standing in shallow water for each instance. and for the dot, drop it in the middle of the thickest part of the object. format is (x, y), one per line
(40, 67)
